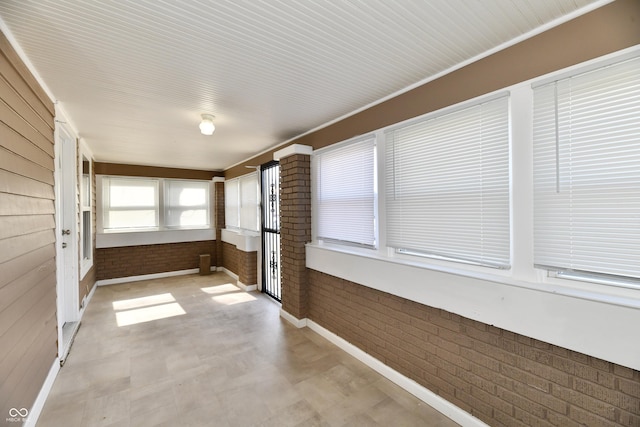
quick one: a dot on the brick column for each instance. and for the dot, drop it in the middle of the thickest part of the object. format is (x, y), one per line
(295, 227)
(219, 219)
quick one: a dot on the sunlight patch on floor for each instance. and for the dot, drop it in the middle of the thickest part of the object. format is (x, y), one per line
(233, 298)
(221, 289)
(128, 304)
(148, 314)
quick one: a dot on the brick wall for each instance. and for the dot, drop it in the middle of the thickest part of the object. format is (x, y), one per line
(230, 257)
(248, 268)
(128, 261)
(502, 378)
(244, 264)
(219, 219)
(295, 231)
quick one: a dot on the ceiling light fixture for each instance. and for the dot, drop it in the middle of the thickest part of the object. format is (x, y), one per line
(206, 125)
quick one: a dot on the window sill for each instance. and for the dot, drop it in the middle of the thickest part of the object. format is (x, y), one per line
(246, 241)
(567, 313)
(557, 286)
(113, 239)
(85, 267)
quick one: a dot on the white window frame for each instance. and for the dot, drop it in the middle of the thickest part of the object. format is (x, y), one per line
(166, 184)
(157, 208)
(587, 317)
(160, 207)
(86, 206)
(248, 205)
(567, 159)
(522, 273)
(316, 202)
(434, 180)
(232, 204)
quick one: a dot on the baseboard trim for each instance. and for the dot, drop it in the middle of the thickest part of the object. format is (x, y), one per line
(128, 279)
(246, 288)
(298, 323)
(38, 405)
(87, 299)
(228, 272)
(438, 403)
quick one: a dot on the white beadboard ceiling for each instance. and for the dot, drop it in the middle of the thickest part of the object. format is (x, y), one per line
(134, 75)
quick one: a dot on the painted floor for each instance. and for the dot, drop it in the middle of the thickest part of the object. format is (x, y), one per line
(197, 351)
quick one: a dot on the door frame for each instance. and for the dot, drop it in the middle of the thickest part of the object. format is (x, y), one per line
(65, 175)
(265, 264)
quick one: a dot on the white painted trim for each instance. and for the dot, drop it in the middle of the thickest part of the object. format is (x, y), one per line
(217, 179)
(239, 284)
(242, 240)
(228, 273)
(118, 280)
(38, 405)
(436, 402)
(85, 152)
(542, 311)
(290, 150)
(117, 240)
(298, 323)
(246, 288)
(66, 305)
(87, 299)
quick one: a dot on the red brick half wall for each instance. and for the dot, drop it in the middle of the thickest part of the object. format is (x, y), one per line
(500, 377)
(112, 263)
(244, 264)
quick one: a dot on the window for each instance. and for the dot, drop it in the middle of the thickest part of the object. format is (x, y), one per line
(587, 173)
(130, 203)
(344, 193)
(232, 203)
(147, 204)
(447, 185)
(242, 208)
(186, 204)
(249, 207)
(86, 223)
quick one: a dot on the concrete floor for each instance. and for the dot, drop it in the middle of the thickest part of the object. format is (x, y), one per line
(197, 351)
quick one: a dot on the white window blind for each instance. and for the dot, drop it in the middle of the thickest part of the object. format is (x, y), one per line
(249, 206)
(242, 207)
(186, 203)
(447, 185)
(232, 203)
(130, 203)
(345, 193)
(587, 172)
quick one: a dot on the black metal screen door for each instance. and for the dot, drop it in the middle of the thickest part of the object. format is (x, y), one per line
(271, 229)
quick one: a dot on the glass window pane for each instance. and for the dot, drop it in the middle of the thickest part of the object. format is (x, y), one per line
(132, 219)
(181, 194)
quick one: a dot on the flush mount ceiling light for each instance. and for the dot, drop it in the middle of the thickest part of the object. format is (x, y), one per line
(206, 125)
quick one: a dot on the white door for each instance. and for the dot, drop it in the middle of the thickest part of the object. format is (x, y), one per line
(66, 239)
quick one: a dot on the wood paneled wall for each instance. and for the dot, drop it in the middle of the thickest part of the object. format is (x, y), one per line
(28, 330)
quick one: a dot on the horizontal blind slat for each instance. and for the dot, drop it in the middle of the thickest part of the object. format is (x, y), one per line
(593, 223)
(447, 185)
(344, 192)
